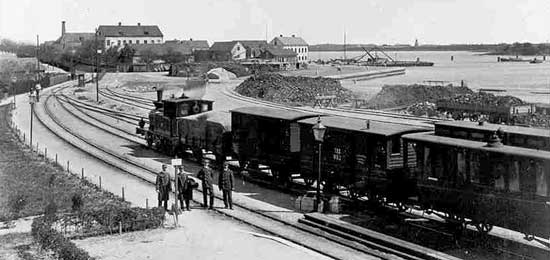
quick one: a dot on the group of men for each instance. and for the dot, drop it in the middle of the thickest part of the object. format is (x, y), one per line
(185, 186)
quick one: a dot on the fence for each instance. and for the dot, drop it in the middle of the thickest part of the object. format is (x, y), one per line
(98, 222)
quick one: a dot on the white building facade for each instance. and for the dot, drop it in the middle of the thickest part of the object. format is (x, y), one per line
(120, 35)
(296, 44)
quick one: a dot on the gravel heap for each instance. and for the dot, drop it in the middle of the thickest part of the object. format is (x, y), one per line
(291, 90)
(200, 68)
(404, 95)
(483, 98)
(423, 109)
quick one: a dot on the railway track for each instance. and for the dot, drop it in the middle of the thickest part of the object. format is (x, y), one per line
(367, 112)
(291, 230)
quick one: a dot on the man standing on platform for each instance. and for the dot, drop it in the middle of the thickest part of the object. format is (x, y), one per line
(163, 187)
(225, 184)
(207, 177)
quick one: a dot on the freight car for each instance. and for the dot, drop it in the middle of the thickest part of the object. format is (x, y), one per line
(475, 110)
(365, 157)
(268, 136)
(483, 184)
(526, 137)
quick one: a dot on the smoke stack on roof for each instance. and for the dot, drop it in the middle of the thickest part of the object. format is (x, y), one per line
(139, 24)
(62, 28)
(119, 23)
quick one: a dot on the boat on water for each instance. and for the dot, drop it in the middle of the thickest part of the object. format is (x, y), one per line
(511, 59)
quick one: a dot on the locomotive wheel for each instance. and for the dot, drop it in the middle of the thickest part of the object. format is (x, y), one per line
(483, 227)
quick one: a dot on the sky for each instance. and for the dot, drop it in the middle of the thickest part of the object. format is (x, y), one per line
(321, 21)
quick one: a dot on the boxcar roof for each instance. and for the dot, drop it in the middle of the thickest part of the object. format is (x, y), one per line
(493, 127)
(221, 117)
(278, 113)
(355, 124)
(430, 137)
(181, 100)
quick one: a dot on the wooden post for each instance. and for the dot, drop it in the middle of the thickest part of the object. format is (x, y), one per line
(46, 153)
(123, 193)
(120, 227)
(100, 182)
(83, 173)
(68, 165)
(146, 203)
(56, 159)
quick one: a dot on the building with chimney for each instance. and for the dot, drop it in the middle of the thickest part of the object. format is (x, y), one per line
(120, 35)
(70, 40)
(296, 44)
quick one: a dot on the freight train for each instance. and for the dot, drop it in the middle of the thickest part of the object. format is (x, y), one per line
(479, 174)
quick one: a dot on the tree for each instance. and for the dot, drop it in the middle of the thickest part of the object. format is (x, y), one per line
(173, 56)
(126, 54)
(147, 56)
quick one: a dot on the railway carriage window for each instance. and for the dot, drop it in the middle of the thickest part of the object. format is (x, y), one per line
(396, 145)
(380, 157)
(461, 134)
(460, 167)
(513, 183)
(499, 173)
(474, 168)
(528, 178)
(542, 181)
(427, 162)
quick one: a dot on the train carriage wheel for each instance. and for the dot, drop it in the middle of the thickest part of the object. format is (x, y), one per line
(529, 237)
(483, 227)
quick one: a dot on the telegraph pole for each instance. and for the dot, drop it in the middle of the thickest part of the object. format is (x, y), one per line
(37, 52)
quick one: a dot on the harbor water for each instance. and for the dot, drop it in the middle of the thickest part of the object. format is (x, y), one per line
(530, 82)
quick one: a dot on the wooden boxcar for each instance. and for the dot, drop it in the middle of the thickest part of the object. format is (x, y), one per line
(527, 137)
(474, 110)
(485, 185)
(359, 155)
(268, 136)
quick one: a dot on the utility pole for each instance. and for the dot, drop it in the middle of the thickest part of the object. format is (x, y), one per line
(37, 52)
(96, 67)
(345, 56)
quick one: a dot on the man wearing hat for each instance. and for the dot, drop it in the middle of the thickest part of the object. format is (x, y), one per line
(163, 187)
(185, 188)
(207, 177)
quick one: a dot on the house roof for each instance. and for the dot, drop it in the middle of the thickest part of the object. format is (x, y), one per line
(291, 41)
(129, 31)
(430, 137)
(161, 49)
(375, 127)
(192, 44)
(277, 113)
(494, 127)
(223, 46)
(280, 52)
(76, 37)
(253, 43)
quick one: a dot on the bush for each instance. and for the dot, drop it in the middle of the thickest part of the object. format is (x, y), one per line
(50, 239)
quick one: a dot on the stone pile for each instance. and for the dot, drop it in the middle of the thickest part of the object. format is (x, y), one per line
(291, 90)
(405, 95)
(483, 98)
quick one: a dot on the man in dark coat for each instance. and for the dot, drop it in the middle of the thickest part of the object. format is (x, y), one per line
(207, 177)
(163, 187)
(225, 183)
(185, 189)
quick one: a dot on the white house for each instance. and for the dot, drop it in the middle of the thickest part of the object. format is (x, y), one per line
(120, 35)
(232, 50)
(295, 44)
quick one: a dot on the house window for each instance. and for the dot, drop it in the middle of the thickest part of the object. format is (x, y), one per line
(238, 48)
(158, 41)
(395, 144)
(108, 42)
(137, 41)
(124, 41)
(145, 41)
(119, 42)
(130, 41)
